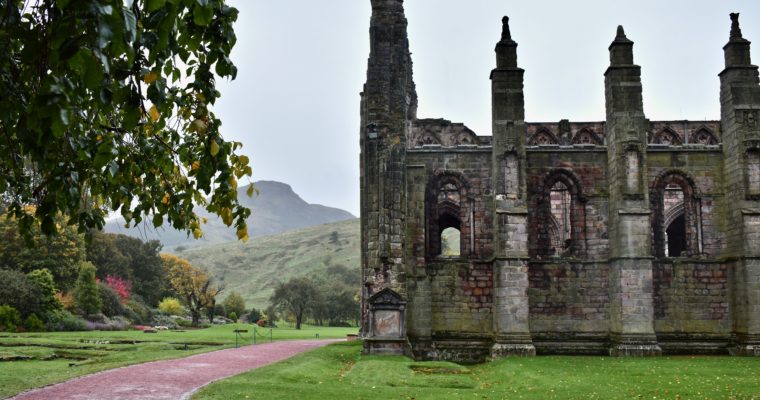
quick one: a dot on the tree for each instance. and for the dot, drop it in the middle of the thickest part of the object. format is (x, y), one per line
(254, 315)
(47, 300)
(192, 285)
(234, 303)
(130, 259)
(86, 292)
(106, 106)
(60, 254)
(295, 296)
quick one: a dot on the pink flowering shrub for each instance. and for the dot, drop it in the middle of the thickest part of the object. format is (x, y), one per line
(122, 287)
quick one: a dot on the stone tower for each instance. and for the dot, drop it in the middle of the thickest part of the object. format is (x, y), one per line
(631, 290)
(510, 267)
(740, 110)
(388, 104)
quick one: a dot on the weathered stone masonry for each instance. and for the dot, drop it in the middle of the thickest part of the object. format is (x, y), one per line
(624, 237)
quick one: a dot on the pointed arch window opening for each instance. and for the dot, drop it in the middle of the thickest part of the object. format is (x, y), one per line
(561, 203)
(677, 218)
(448, 227)
(557, 223)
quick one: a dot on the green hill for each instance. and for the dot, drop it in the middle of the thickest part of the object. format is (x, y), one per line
(275, 209)
(254, 268)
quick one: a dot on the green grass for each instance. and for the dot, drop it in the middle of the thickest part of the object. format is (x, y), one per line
(59, 356)
(253, 269)
(339, 372)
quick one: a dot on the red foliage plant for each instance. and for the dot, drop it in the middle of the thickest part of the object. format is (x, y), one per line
(122, 287)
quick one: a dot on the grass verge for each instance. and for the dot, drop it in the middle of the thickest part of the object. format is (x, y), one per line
(31, 360)
(339, 372)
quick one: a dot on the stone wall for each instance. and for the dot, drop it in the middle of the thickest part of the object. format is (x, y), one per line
(604, 284)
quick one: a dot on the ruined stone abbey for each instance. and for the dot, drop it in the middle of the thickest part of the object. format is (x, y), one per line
(623, 237)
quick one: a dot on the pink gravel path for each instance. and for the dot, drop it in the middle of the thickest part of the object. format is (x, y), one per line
(172, 379)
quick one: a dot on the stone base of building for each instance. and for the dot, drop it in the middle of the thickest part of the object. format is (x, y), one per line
(572, 343)
(501, 350)
(633, 345)
(513, 346)
(386, 347)
(694, 343)
(465, 350)
(745, 350)
(746, 346)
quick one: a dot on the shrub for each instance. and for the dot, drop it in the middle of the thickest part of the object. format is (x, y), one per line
(164, 320)
(234, 303)
(233, 316)
(219, 310)
(45, 282)
(67, 301)
(86, 291)
(171, 306)
(262, 323)
(64, 321)
(34, 324)
(111, 301)
(108, 324)
(19, 292)
(10, 318)
(137, 311)
(254, 315)
(122, 287)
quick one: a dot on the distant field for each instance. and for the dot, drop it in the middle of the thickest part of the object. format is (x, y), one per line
(46, 358)
(339, 372)
(253, 269)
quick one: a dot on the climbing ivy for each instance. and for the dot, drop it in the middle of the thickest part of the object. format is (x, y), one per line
(105, 107)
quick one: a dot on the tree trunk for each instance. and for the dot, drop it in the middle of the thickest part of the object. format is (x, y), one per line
(196, 316)
(299, 315)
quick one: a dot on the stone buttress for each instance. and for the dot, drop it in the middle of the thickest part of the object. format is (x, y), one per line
(631, 289)
(510, 270)
(740, 111)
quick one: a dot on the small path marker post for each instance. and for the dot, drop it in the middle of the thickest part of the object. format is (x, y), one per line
(237, 335)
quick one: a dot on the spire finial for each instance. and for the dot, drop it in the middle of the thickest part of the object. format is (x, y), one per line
(736, 32)
(505, 34)
(620, 33)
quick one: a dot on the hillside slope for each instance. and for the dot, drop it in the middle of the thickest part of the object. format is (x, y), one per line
(254, 268)
(276, 209)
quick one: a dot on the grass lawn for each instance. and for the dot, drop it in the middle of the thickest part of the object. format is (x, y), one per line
(339, 372)
(45, 358)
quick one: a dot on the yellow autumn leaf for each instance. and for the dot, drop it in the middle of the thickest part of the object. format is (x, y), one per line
(99, 137)
(226, 215)
(154, 114)
(197, 233)
(242, 234)
(244, 160)
(233, 183)
(198, 126)
(165, 200)
(196, 165)
(150, 77)
(249, 192)
(214, 148)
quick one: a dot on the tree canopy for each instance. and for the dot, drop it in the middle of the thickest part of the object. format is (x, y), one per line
(106, 107)
(192, 285)
(131, 259)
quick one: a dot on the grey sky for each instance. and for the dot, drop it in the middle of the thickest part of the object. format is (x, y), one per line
(302, 63)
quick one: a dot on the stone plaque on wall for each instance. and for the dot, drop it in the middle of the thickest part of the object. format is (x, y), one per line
(386, 323)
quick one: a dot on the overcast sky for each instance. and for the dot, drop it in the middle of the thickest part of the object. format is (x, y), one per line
(302, 63)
